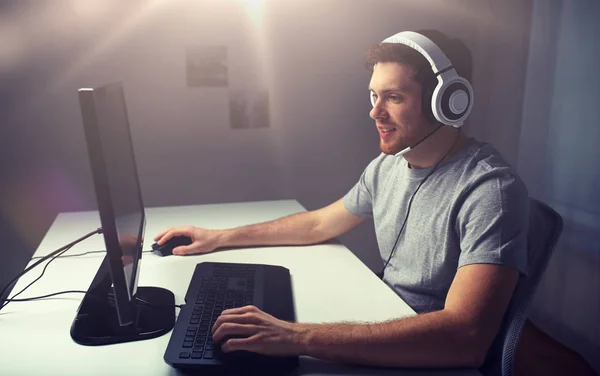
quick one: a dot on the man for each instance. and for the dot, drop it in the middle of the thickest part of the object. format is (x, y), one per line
(450, 217)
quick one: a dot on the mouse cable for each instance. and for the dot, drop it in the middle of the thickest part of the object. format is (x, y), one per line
(53, 254)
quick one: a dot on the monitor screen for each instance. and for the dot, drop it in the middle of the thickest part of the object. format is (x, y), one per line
(122, 180)
(114, 308)
(117, 187)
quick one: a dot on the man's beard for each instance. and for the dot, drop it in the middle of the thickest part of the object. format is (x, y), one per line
(391, 147)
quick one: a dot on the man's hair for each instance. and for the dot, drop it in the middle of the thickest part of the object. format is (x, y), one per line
(458, 53)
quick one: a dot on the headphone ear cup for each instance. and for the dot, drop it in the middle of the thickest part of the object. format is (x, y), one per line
(426, 97)
(453, 99)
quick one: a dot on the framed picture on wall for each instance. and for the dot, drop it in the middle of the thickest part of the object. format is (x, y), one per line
(206, 66)
(249, 108)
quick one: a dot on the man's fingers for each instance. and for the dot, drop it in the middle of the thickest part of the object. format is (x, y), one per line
(239, 310)
(166, 236)
(230, 329)
(184, 250)
(171, 232)
(240, 318)
(234, 344)
(161, 234)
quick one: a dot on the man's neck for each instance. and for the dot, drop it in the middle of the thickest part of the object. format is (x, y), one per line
(446, 141)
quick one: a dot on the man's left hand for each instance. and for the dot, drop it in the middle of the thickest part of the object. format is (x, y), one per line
(248, 328)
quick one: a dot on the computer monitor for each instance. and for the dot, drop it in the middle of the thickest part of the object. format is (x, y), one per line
(114, 308)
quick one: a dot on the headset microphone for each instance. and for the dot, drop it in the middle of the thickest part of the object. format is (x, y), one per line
(404, 151)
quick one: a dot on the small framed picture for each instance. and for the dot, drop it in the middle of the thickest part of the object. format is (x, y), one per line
(249, 108)
(206, 66)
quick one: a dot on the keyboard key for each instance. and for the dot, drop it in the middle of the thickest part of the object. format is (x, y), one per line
(188, 344)
(197, 355)
(208, 354)
(184, 355)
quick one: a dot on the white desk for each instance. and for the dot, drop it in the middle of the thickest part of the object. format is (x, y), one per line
(329, 283)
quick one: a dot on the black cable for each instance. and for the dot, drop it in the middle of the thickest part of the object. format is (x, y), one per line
(45, 296)
(83, 254)
(50, 255)
(37, 279)
(381, 273)
(158, 305)
(53, 256)
(426, 137)
(73, 255)
(59, 255)
(110, 299)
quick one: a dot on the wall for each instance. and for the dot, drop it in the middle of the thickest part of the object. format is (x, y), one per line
(308, 53)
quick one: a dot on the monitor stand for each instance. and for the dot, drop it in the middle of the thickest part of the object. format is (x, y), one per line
(97, 322)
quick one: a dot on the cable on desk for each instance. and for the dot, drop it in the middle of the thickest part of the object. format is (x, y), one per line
(73, 255)
(38, 278)
(52, 255)
(111, 299)
(83, 254)
(45, 296)
(145, 303)
(44, 270)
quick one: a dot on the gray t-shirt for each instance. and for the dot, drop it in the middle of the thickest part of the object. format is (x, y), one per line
(473, 209)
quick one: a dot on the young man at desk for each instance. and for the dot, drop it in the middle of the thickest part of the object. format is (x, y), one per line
(450, 217)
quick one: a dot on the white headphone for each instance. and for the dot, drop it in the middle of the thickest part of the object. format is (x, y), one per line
(452, 98)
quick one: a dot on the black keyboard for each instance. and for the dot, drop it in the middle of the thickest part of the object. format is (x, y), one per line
(229, 286)
(218, 286)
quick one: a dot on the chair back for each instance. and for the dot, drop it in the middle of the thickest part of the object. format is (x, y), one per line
(545, 227)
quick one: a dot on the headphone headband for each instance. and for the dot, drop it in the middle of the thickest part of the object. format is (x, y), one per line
(437, 59)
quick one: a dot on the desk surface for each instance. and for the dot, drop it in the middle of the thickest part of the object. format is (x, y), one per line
(329, 283)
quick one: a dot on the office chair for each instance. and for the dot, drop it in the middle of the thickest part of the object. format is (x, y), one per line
(545, 226)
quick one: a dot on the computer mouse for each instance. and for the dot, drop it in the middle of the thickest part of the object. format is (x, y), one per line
(167, 248)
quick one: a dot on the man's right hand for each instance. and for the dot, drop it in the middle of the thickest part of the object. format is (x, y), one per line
(203, 240)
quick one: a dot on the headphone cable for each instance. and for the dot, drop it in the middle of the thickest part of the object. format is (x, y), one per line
(381, 273)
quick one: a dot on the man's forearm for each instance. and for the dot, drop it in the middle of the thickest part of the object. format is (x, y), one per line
(295, 229)
(434, 339)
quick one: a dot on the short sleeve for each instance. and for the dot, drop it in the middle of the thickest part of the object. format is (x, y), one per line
(493, 221)
(359, 200)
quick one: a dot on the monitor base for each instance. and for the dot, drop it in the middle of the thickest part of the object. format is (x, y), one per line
(97, 322)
